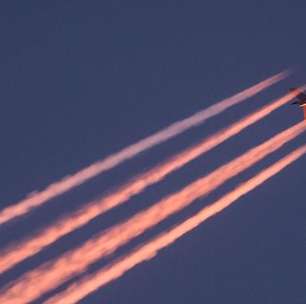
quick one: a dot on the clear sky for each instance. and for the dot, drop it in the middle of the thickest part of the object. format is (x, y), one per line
(82, 79)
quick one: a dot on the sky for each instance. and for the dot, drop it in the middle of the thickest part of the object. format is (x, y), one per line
(82, 79)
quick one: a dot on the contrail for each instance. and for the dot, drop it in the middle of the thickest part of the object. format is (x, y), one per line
(90, 283)
(50, 275)
(20, 251)
(68, 183)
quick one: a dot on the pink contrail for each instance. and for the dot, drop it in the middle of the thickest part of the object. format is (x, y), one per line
(50, 275)
(18, 252)
(68, 183)
(89, 284)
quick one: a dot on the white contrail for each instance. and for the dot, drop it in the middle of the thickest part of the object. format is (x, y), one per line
(91, 283)
(48, 276)
(68, 183)
(17, 252)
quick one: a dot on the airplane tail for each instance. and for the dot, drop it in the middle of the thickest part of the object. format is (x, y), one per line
(301, 96)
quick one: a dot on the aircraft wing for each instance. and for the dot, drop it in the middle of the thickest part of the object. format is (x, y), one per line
(301, 97)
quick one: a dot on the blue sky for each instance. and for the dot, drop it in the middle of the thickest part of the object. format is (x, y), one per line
(82, 80)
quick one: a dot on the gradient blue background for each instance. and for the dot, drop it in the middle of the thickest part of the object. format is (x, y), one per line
(83, 79)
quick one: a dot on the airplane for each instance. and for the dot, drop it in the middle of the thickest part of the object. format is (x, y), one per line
(300, 99)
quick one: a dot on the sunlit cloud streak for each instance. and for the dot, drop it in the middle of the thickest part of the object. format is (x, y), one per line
(48, 276)
(91, 283)
(16, 253)
(39, 198)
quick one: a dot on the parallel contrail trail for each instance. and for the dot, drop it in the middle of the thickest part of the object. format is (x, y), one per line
(68, 183)
(50, 275)
(20, 251)
(90, 283)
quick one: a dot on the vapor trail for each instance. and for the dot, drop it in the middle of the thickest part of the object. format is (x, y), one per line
(50, 275)
(20, 251)
(89, 284)
(68, 183)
